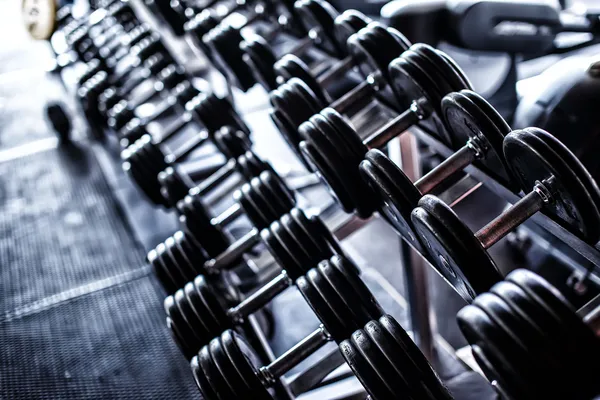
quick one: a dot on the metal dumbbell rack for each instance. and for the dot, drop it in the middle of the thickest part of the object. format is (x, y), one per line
(420, 312)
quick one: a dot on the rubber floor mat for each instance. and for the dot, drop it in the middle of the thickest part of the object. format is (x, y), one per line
(109, 344)
(59, 227)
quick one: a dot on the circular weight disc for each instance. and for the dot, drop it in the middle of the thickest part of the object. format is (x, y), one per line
(453, 249)
(574, 336)
(281, 230)
(373, 48)
(301, 244)
(280, 253)
(198, 222)
(261, 60)
(538, 367)
(189, 315)
(471, 119)
(443, 68)
(296, 100)
(246, 362)
(399, 360)
(492, 347)
(179, 325)
(322, 152)
(205, 387)
(289, 134)
(326, 294)
(213, 375)
(410, 83)
(351, 304)
(214, 303)
(186, 351)
(347, 24)
(320, 15)
(320, 307)
(345, 141)
(204, 327)
(290, 66)
(348, 272)
(531, 160)
(370, 380)
(396, 194)
(379, 363)
(396, 334)
(226, 369)
(39, 17)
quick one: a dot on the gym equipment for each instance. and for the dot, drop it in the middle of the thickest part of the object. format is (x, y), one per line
(552, 179)
(528, 338)
(332, 147)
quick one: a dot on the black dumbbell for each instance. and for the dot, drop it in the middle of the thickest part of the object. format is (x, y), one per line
(423, 76)
(471, 120)
(270, 72)
(135, 127)
(527, 338)
(297, 242)
(224, 44)
(83, 39)
(120, 111)
(331, 291)
(183, 256)
(235, 146)
(145, 159)
(372, 48)
(553, 180)
(389, 365)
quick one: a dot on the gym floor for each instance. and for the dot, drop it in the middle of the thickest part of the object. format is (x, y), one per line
(80, 312)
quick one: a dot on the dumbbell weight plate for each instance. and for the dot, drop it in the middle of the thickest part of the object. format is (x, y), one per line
(531, 159)
(539, 367)
(173, 260)
(156, 258)
(364, 372)
(532, 314)
(373, 49)
(339, 268)
(455, 252)
(320, 15)
(347, 145)
(287, 131)
(495, 353)
(468, 116)
(573, 328)
(213, 375)
(411, 83)
(246, 363)
(227, 369)
(347, 24)
(198, 222)
(397, 195)
(290, 66)
(380, 364)
(326, 161)
(180, 327)
(187, 352)
(206, 290)
(399, 361)
(203, 318)
(391, 328)
(260, 58)
(189, 315)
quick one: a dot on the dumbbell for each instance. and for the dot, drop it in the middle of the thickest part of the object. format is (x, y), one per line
(183, 255)
(296, 241)
(145, 159)
(120, 111)
(331, 291)
(175, 183)
(320, 16)
(82, 38)
(375, 46)
(112, 53)
(135, 127)
(389, 365)
(421, 77)
(527, 338)
(471, 120)
(553, 180)
(270, 72)
(224, 40)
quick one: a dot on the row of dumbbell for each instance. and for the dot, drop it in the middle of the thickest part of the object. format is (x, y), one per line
(534, 157)
(530, 136)
(305, 226)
